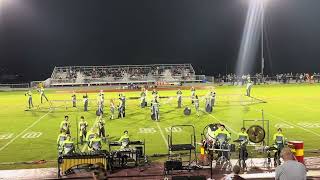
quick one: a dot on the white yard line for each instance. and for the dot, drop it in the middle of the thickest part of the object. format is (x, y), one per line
(162, 135)
(34, 123)
(281, 119)
(169, 100)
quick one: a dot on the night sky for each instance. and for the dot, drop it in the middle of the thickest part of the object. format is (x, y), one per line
(37, 35)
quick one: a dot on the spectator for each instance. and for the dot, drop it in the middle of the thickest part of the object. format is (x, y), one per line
(290, 169)
(235, 174)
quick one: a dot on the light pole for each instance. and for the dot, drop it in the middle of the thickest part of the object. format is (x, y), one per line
(262, 37)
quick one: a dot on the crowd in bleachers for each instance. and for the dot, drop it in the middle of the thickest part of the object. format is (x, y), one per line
(258, 78)
(122, 72)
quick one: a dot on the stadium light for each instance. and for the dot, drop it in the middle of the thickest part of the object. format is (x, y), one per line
(252, 33)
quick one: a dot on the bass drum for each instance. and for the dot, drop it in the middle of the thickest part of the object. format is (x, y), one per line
(153, 116)
(98, 113)
(208, 132)
(143, 104)
(208, 108)
(187, 111)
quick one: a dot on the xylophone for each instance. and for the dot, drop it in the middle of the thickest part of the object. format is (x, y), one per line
(66, 163)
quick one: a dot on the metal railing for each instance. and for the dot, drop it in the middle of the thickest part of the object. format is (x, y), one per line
(14, 86)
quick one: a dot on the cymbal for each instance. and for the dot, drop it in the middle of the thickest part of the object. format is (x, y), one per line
(256, 134)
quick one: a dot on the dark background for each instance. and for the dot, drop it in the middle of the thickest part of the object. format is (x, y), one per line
(37, 35)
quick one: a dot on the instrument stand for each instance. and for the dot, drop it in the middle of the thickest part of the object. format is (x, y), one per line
(242, 156)
(251, 164)
(211, 168)
(243, 165)
(267, 162)
(186, 150)
(223, 160)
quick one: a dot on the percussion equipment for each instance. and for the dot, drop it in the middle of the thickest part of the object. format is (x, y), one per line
(124, 150)
(187, 111)
(153, 116)
(209, 130)
(272, 148)
(237, 141)
(66, 163)
(133, 152)
(120, 158)
(208, 143)
(297, 149)
(98, 112)
(232, 148)
(256, 134)
(143, 103)
(208, 108)
(173, 165)
(115, 143)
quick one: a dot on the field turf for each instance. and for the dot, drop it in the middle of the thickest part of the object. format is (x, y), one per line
(31, 135)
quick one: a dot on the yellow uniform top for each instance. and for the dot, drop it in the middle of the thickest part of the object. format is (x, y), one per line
(278, 138)
(125, 136)
(243, 135)
(94, 140)
(82, 124)
(61, 137)
(219, 132)
(65, 125)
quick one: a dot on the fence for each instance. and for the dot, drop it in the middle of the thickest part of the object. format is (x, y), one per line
(10, 87)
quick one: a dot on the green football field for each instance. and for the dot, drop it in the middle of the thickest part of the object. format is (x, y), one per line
(31, 135)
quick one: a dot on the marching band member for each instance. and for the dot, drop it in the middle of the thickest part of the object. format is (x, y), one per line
(61, 138)
(193, 94)
(112, 108)
(42, 95)
(212, 98)
(243, 155)
(85, 102)
(222, 134)
(179, 98)
(120, 109)
(100, 124)
(90, 136)
(249, 86)
(196, 105)
(243, 135)
(154, 93)
(279, 141)
(222, 137)
(82, 129)
(74, 99)
(124, 139)
(155, 109)
(100, 102)
(95, 143)
(65, 125)
(143, 98)
(123, 99)
(30, 103)
(68, 145)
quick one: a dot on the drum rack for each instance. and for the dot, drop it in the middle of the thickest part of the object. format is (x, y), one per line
(136, 151)
(182, 150)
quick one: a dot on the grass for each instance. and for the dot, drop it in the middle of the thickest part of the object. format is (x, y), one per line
(295, 108)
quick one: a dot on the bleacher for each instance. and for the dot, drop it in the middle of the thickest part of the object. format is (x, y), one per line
(123, 74)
